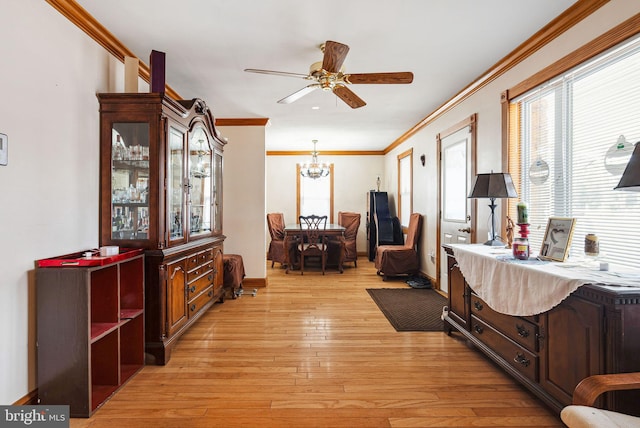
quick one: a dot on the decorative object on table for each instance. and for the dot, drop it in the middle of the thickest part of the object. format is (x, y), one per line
(510, 227)
(591, 245)
(314, 169)
(630, 179)
(493, 186)
(521, 248)
(557, 238)
(523, 213)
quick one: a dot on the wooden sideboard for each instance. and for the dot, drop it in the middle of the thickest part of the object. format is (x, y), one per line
(595, 330)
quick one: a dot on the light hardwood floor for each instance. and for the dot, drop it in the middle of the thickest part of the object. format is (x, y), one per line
(315, 351)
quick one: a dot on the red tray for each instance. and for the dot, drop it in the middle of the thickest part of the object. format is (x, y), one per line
(78, 259)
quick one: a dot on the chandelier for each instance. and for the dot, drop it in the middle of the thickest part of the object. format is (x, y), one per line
(314, 169)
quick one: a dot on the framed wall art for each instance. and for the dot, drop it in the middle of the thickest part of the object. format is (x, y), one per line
(557, 238)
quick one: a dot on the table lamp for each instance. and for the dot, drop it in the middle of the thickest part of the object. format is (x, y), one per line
(493, 186)
(630, 179)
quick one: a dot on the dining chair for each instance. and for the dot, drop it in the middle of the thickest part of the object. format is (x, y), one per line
(351, 223)
(277, 251)
(312, 242)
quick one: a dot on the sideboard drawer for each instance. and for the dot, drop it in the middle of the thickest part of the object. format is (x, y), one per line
(196, 304)
(518, 357)
(518, 329)
(195, 287)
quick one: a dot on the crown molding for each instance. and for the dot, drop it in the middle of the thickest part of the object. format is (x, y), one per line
(563, 22)
(259, 121)
(327, 152)
(87, 23)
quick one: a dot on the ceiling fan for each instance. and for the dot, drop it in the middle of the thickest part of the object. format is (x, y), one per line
(328, 76)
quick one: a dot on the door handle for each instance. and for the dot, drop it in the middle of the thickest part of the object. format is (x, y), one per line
(466, 229)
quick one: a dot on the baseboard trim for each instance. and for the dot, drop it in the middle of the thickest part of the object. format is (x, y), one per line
(254, 282)
(30, 399)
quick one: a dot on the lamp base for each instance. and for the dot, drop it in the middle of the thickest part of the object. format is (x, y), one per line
(495, 243)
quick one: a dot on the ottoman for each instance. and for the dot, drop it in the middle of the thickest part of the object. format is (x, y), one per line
(233, 274)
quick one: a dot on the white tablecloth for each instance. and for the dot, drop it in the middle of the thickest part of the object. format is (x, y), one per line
(527, 287)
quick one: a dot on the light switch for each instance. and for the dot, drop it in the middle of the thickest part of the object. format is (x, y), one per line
(4, 149)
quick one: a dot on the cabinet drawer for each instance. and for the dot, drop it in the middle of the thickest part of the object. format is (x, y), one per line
(195, 287)
(199, 258)
(196, 304)
(516, 328)
(199, 271)
(518, 357)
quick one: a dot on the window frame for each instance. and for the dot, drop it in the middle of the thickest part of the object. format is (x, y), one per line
(299, 177)
(512, 112)
(401, 157)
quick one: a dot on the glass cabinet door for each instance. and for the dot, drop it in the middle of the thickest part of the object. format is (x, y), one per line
(200, 183)
(129, 181)
(217, 191)
(175, 185)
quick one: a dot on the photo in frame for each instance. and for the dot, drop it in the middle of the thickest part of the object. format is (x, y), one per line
(557, 238)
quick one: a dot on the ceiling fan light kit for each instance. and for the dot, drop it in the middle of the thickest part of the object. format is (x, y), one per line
(329, 76)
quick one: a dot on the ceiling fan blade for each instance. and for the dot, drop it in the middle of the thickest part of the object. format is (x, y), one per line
(277, 73)
(348, 96)
(334, 55)
(299, 94)
(373, 78)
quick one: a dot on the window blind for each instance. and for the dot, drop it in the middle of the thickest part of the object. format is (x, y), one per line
(576, 135)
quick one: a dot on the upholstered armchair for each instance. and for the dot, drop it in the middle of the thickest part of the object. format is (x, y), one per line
(583, 414)
(351, 223)
(394, 260)
(277, 251)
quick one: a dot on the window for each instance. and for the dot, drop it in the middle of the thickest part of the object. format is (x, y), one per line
(569, 142)
(405, 187)
(315, 196)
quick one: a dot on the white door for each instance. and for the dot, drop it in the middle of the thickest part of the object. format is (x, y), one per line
(455, 180)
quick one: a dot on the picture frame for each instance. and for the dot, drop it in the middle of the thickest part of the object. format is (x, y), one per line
(557, 239)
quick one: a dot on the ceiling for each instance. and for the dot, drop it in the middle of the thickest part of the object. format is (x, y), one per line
(447, 44)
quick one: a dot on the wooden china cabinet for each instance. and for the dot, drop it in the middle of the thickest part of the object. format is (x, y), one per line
(161, 190)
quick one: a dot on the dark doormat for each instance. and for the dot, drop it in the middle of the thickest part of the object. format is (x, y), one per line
(410, 309)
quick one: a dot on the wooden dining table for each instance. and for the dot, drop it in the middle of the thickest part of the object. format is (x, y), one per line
(293, 231)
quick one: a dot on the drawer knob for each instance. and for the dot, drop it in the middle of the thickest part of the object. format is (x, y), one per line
(478, 329)
(210, 277)
(521, 359)
(522, 331)
(193, 289)
(210, 293)
(193, 307)
(478, 305)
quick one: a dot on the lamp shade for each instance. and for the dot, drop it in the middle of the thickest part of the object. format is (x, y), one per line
(630, 179)
(493, 185)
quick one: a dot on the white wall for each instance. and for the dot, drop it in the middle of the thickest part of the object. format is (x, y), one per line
(49, 76)
(244, 218)
(354, 176)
